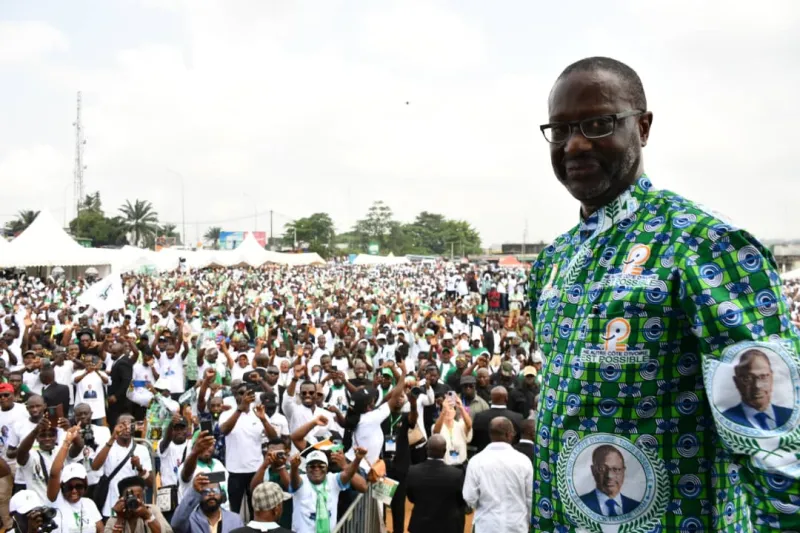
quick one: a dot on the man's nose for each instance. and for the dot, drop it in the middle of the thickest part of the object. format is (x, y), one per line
(576, 142)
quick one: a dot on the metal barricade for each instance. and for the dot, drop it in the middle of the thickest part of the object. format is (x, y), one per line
(363, 516)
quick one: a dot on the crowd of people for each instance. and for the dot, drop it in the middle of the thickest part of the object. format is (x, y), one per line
(268, 398)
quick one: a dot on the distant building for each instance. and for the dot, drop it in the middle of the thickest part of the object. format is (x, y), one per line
(533, 248)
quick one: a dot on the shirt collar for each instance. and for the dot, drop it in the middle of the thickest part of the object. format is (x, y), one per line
(262, 526)
(620, 208)
(495, 406)
(602, 498)
(751, 413)
(526, 441)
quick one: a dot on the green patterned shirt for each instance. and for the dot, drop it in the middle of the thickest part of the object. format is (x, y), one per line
(670, 398)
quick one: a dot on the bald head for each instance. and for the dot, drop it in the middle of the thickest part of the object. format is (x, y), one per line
(437, 446)
(528, 429)
(499, 396)
(501, 429)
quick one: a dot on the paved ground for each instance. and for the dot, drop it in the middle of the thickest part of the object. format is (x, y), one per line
(409, 506)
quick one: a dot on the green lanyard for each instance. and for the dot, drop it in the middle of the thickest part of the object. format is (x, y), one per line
(393, 422)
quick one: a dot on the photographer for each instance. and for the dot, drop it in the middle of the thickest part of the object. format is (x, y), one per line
(77, 513)
(201, 510)
(131, 515)
(29, 516)
(91, 436)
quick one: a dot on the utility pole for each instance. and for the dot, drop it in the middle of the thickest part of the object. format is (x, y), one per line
(452, 247)
(270, 227)
(80, 142)
(524, 236)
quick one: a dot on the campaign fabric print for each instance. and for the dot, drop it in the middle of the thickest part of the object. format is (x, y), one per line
(671, 395)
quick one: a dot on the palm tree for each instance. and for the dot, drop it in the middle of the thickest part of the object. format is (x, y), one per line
(212, 235)
(140, 220)
(169, 231)
(24, 219)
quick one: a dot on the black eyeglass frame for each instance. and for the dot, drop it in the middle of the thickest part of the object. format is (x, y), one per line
(615, 117)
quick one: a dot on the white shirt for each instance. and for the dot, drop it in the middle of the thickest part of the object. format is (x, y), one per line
(305, 503)
(32, 381)
(115, 456)
(91, 391)
(456, 439)
(204, 468)
(171, 460)
(21, 429)
(101, 436)
(172, 371)
(32, 473)
(602, 499)
(63, 375)
(499, 486)
(243, 443)
(297, 413)
(751, 413)
(369, 435)
(78, 517)
(8, 419)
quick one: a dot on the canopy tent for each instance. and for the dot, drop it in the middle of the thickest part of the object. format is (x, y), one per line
(365, 259)
(302, 259)
(791, 275)
(45, 244)
(251, 253)
(509, 261)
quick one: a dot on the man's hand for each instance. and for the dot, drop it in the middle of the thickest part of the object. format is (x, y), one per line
(72, 434)
(299, 371)
(247, 398)
(199, 483)
(136, 462)
(175, 419)
(321, 420)
(360, 452)
(119, 507)
(112, 399)
(43, 425)
(204, 443)
(339, 460)
(295, 461)
(260, 413)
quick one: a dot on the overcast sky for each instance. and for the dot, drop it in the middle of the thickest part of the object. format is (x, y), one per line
(301, 107)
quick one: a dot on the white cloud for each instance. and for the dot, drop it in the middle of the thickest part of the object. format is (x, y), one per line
(25, 42)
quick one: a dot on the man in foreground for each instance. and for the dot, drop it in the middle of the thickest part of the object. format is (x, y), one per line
(640, 310)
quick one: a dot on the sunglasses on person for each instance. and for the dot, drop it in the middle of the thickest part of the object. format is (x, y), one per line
(211, 490)
(273, 373)
(69, 487)
(307, 393)
(6, 395)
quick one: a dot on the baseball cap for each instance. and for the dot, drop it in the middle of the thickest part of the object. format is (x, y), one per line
(387, 372)
(468, 380)
(447, 336)
(528, 371)
(73, 471)
(7, 387)
(381, 337)
(317, 456)
(268, 496)
(161, 384)
(24, 502)
(507, 369)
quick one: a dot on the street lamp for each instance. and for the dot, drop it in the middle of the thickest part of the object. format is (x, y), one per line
(183, 206)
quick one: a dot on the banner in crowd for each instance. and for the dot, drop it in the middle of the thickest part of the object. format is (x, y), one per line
(104, 295)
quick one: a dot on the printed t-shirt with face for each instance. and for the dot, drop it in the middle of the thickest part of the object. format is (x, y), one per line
(304, 502)
(19, 431)
(91, 391)
(243, 443)
(32, 474)
(79, 517)
(115, 456)
(172, 371)
(203, 468)
(8, 419)
(171, 460)
(101, 436)
(368, 433)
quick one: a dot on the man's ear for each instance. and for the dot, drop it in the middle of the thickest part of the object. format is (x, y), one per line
(645, 122)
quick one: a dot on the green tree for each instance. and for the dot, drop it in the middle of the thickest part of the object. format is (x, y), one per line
(102, 231)
(317, 230)
(170, 231)
(92, 203)
(24, 219)
(140, 219)
(212, 236)
(376, 226)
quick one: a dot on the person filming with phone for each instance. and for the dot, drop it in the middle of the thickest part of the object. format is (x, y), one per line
(200, 510)
(131, 514)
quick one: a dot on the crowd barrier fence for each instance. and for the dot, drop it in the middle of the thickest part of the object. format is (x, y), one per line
(363, 516)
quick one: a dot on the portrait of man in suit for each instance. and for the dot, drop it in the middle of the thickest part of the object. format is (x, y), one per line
(753, 378)
(608, 470)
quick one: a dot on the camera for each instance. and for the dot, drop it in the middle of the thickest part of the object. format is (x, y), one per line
(131, 502)
(415, 392)
(48, 518)
(87, 433)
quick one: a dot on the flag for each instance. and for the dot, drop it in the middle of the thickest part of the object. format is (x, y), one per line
(104, 295)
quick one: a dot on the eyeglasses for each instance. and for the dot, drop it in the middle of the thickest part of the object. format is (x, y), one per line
(211, 490)
(307, 393)
(316, 466)
(616, 470)
(756, 379)
(69, 487)
(591, 128)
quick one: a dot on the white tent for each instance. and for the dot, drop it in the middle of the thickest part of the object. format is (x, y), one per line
(45, 244)
(792, 274)
(303, 259)
(250, 253)
(364, 259)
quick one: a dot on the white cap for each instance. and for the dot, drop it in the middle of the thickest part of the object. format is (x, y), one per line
(380, 336)
(73, 471)
(317, 455)
(24, 502)
(447, 336)
(161, 384)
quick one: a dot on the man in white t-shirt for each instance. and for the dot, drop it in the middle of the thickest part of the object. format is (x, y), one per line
(120, 449)
(171, 365)
(92, 437)
(317, 482)
(10, 414)
(244, 428)
(90, 387)
(200, 460)
(35, 464)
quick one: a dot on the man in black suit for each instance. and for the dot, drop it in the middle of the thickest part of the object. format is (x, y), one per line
(754, 380)
(54, 394)
(498, 407)
(121, 376)
(525, 444)
(608, 470)
(435, 490)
